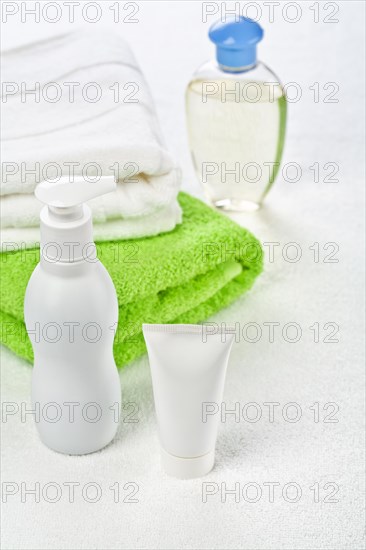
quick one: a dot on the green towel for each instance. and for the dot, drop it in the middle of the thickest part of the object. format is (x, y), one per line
(179, 277)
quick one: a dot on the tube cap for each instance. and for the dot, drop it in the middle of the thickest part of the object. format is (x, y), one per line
(236, 41)
(187, 468)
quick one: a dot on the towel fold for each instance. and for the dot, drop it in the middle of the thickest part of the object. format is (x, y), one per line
(179, 277)
(91, 114)
(24, 233)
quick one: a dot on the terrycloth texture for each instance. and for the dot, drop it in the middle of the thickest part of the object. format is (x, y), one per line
(117, 134)
(162, 220)
(179, 277)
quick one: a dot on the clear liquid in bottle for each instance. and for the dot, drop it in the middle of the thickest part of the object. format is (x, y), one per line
(236, 118)
(236, 132)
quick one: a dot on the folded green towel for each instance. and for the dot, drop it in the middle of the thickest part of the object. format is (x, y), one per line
(179, 277)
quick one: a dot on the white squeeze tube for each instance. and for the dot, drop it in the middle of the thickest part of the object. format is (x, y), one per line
(188, 367)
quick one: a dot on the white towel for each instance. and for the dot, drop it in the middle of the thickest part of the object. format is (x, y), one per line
(160, 221)
(116, 135)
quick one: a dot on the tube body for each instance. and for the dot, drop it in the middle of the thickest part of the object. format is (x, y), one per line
(188, 368)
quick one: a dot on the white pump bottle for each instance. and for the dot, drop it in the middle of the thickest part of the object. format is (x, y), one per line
(71, 314)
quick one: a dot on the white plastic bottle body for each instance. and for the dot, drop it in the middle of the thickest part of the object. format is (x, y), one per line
(71, 314)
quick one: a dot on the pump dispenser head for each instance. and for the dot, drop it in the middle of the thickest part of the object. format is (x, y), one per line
(63, 196)
(236, 42)
(66, 223)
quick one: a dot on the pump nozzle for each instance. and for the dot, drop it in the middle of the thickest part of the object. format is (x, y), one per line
(65, 220)
(63, 193)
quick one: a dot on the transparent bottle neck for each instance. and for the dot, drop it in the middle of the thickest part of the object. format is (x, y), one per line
(235, 70)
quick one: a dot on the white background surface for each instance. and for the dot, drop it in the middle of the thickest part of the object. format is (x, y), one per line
(170, 42)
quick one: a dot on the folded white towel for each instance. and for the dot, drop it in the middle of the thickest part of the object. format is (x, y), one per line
(117, 134)
(160, 221)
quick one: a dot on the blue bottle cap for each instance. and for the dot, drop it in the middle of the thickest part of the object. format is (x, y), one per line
(236, 41)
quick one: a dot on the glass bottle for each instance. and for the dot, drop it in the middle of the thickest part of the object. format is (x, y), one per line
(236, 118)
